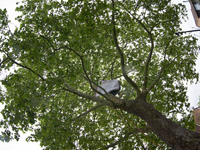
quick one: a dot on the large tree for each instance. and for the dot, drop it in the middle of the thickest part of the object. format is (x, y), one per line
(63, 48)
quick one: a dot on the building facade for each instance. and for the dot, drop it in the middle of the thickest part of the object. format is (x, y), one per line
(195, 7)
(197, 118)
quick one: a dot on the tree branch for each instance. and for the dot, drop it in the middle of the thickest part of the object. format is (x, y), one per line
(107, 96)
(128, 79)
(122, 74)
(151, 49)
(157, 78)
(161, 70)
(49, 42)
(155, 81)
(113, 101)
(87, 96)
(88, 111)
(111, 69)
(147, 63)
(82, 62)
(150, 53)
(24, 67)
(3, 61)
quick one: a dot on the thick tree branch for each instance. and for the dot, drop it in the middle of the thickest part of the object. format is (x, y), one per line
(113, 101)
(107, 96)
(81, 58)
(147, 63)
(87, 96)
(174, 135)
(128, 79)
(151, 49)
(150, 53)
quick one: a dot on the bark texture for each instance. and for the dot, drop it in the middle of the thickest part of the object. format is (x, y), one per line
(174, 135)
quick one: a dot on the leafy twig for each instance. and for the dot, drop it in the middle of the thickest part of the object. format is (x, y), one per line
(23, 66)
(3, 61)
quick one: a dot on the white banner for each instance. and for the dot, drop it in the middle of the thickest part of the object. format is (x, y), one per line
(108, 86)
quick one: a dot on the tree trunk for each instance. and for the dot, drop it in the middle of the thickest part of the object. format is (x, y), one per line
(175, 136)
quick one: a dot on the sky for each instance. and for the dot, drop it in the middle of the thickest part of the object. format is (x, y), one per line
(193, 89)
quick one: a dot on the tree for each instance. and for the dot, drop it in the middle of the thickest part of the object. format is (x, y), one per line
(63, 48)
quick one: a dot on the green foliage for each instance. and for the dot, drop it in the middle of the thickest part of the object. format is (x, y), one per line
(4, 138)
(50, 46)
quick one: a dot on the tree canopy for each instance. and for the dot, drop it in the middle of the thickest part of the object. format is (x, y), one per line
(62, 49)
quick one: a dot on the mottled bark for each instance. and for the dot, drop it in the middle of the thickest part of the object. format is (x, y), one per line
(174, 135)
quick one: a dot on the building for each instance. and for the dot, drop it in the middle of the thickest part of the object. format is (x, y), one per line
(197, 118)
(195, 7)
